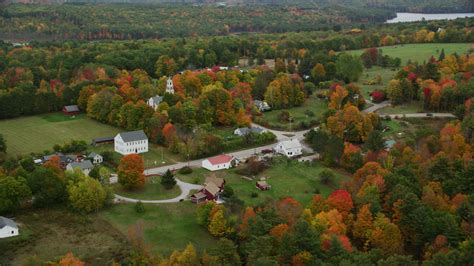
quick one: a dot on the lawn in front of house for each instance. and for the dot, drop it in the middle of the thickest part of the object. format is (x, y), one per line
(25, 135)
(288, 179)
(167, 227)
(152, 190)
(299, 114)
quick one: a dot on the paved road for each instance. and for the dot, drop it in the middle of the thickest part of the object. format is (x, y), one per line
(422, 115)
(185, 190)
(376, 106)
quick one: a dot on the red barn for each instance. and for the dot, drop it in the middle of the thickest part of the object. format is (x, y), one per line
(71, 110)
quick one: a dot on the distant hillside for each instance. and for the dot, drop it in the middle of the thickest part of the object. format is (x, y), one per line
(424, 6)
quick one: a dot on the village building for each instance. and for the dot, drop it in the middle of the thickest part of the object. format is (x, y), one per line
(103, 140)
(169, 86)
(155, 101)
(85, 166)
(132, 142)
(262, 106)
(289, 148)
(243, 131)
(218, 162)
(8, 228)
(213, 187)
(96, 158)
(71, 110)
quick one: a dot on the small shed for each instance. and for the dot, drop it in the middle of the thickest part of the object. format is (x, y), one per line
(198, 197)
(71, 110)
(103, 140)
(263, 185)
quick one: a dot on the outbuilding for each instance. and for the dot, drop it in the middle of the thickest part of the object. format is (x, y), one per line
(218, 162)
(8, 228)
(71, 110)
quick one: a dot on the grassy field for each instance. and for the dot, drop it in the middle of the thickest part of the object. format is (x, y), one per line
(153, 190)
(313, 104)
(50, 234)
(166, 227)
(294, 179)
(38, 133)
(369, 74)
(407, 108)
(420, 52)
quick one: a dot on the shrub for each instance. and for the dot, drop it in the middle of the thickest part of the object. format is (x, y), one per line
(326, 177)
(185, 170)
(254, 195)
(309, 113)
(139, 207)
(284, 116)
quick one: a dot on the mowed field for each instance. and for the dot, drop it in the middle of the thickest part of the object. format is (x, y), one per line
(420, 52)
(38, 133)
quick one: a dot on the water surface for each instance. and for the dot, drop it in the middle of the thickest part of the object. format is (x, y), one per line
(410, 17)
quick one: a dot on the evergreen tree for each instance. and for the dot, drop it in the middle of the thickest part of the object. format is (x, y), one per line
(167, 180)
(375, 141)
(441, 55)
(3, 145)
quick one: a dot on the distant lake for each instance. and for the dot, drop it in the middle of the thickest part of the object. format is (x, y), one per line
(409, 17)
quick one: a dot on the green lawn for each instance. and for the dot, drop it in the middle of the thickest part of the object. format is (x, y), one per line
(420, 52)
(406, 108)
(293, 179)
(152, 190)
(369, 74)
(38, 133)
(166, 226)
(313, 104)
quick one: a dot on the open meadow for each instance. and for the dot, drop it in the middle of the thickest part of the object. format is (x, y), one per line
(420, 52)
(38, 133)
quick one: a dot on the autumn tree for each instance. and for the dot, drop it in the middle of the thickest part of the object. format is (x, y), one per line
(130, 172)
(70, 260)
(394, 91)
(165, 66)
(188, 256)
(363, 224)
(13, 192)
(318, 73)
(341, 200)
(86, 194)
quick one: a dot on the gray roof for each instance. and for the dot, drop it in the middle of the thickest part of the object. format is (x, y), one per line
(86, 164)
(133, 136)
(5, 221)
(93, 154)
(157, 99)
(71, 108)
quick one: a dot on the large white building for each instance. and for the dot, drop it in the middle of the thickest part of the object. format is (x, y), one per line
(218, 162)
(8, 228)
(289, 148)
(131, 142)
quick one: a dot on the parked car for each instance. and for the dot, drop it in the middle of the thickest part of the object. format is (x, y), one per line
(265, 151)
(429, 114)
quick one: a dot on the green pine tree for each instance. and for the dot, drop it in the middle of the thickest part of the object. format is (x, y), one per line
(167, 180)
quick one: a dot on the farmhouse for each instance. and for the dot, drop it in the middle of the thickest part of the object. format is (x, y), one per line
(153, 102)
(243, 131)
(213, 186)
(85, 166)
(169, 86)
(289, 148)
(8, 228)
(218, 162)
(131, 142)
(71, 110)
(96, 158)
(262, 106)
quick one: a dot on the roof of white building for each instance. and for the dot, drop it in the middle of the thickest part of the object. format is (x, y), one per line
(133, 135)
(290, 144)
(7, 222)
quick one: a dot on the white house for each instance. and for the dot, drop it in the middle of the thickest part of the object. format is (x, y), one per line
(153, 102)
(8, 228)
(96, 158)
(86, 166)
(169, 86)
(262, 106)
(131, 142)
(218, 162)
(289, 148)
(247, 130)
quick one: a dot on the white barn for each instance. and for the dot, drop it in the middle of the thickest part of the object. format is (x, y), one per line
(85, 166)
(289, 148)
(155, 101)
(218, 162)
(131, 142)
(8, 228)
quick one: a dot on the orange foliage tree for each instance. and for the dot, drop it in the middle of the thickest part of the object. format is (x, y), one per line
(130, 171)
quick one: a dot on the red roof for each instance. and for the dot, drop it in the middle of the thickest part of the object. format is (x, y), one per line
(220, 159)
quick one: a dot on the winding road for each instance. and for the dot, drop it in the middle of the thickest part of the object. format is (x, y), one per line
(244, 154)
